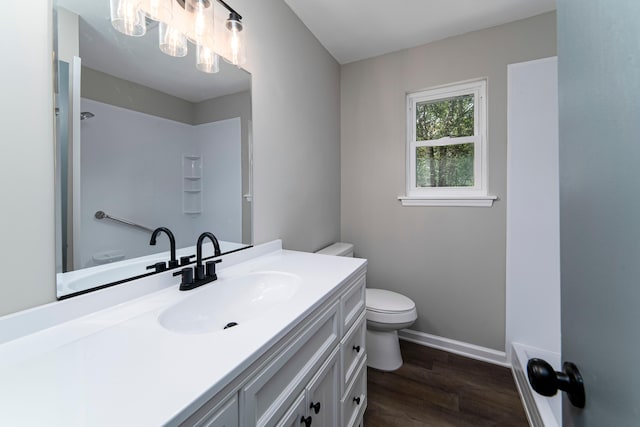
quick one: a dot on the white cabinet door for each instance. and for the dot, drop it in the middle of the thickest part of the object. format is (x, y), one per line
(227, 416)
(296, 414)
(324, 394)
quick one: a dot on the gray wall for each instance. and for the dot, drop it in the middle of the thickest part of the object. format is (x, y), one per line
(450, 261)
(296, 102)
(115, 91)
(27, 255)
(296, 129)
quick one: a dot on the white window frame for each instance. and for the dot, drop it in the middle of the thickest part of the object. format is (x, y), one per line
(450, 196)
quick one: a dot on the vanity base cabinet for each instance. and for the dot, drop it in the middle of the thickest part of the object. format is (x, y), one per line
(309, 378)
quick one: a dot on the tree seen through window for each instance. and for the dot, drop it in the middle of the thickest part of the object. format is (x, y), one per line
(445, 165)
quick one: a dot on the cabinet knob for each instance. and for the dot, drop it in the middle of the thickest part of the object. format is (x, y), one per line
(306, 421)
(357, 400)
(356, 348)
(315, 407)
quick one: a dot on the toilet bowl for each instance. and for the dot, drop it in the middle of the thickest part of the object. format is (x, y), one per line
(387, 313)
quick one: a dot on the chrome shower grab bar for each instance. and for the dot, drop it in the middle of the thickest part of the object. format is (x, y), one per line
(103, 215)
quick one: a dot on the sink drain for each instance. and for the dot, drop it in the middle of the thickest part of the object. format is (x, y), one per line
(230, 325)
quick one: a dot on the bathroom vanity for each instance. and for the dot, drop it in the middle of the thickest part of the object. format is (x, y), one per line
(278, 340)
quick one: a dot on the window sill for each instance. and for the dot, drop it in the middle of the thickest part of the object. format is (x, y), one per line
(472, 201)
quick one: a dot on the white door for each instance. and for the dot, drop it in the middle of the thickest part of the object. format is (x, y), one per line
(599, 100)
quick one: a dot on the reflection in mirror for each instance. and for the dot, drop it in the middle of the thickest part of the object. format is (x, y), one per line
(143, 140)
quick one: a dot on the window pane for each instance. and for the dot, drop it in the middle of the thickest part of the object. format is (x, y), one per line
(445, 117)
(445, 166)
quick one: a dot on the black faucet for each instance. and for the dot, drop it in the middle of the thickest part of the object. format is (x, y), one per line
(202, 276)
(173, 262)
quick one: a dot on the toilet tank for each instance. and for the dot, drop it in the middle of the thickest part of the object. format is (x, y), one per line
(338, 249)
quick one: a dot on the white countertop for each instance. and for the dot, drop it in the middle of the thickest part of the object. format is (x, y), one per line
(118, 366)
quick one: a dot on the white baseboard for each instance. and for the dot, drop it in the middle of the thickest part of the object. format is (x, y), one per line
(472, 351)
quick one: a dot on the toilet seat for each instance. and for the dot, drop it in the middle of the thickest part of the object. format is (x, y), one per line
(387, 307)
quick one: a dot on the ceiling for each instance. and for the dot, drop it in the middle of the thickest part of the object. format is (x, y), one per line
(139, 59)
(357, 29)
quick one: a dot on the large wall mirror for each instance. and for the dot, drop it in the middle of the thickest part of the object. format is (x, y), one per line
(143, 140)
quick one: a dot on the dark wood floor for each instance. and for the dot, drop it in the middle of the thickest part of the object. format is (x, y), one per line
(436, 388)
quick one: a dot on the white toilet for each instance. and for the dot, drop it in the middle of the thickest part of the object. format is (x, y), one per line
(387, 312)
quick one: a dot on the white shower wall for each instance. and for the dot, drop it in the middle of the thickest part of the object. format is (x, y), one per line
(133, 170)
(533, 206)
(533, 230)
(219, 145)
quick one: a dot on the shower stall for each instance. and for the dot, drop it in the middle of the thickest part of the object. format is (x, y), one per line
(533, 232)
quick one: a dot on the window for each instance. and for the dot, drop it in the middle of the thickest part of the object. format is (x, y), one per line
(446, 152)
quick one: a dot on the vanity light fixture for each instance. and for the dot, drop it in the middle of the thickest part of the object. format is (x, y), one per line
(207, 60)
(236, 40)
(127, 17)
(183, 21)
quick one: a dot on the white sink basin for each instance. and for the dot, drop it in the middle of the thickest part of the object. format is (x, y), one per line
(238, 300)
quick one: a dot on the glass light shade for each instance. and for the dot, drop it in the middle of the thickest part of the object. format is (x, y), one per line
(127, 17)
(158, 10)
(172, 41)
(236, 53)
(200, 20)
(207, 60)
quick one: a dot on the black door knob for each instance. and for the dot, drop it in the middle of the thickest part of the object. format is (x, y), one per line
(315, 407)
(357, 400)
(306, 421)
(547, 382)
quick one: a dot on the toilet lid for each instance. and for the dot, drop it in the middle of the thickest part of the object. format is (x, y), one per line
(383, 301)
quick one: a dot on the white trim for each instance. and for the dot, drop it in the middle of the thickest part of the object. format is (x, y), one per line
(474, 201)
(472, 351)
(75, 108)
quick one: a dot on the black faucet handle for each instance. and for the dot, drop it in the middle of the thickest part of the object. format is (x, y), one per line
(158, 267)
(184, 260)
(211, 268)
(187, 278)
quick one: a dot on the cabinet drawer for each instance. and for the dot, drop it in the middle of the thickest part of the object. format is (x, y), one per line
(353, 350)
(352, 304)
(272, 391)
(355, 399)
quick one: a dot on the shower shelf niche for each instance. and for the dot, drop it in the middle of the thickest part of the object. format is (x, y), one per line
(191, 184)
